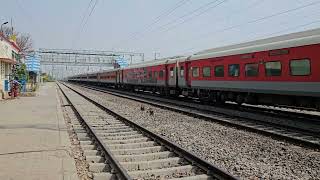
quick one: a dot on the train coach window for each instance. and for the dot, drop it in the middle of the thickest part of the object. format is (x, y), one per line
(171, 72)
(273, 68)
(206, 71)
(234, 70)
(155, 75)
(219, 71)
(181, 71)
(195, 72)
(160, 73)
(300, 67)
(252, 69)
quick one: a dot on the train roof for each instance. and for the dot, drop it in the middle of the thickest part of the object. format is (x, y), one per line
(157, 62)
(107, 70)
(279, 42)
(284, 41)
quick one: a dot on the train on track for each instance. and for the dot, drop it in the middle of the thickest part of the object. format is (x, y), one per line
(282, 70)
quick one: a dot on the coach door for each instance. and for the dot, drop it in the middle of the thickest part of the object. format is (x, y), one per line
(121, 75)
(166, 74)
(187, 73)
(117, 77)
(176, 74)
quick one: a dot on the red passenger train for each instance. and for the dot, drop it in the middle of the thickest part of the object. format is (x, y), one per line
(282, 70)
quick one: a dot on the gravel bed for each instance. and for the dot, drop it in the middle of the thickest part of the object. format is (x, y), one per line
(245, 154)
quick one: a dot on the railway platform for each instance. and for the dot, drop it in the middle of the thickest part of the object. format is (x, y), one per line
(34, 139)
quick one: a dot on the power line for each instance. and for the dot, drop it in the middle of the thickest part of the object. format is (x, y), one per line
(25, 12)
(235, 12)
(189, 13)
(179, 4)
(202, 12)
(90, 13)
(85, 20)
(258, 20)
(156, 20)
(256, 3)
(186, 15)
(81, 23)
(264, 18)
(289, 29)
(85, 13)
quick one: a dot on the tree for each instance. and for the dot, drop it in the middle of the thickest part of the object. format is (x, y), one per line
(7, 31)
(47, 78)
(24, 40)
(22, 72)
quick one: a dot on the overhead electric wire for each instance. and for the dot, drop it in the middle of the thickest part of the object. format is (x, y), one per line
(156, 20)
(259, 19)
(84, 20)
(81, 23)
(186, 15)
(26, 13)
(288, 29)
(85, 23)
(196, 15)
(85, 13)
(258, 2)
(235, 12)
(175, 20)
(265, 17)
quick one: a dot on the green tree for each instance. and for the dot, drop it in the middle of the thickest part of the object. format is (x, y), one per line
(47, 77)
(22, 72)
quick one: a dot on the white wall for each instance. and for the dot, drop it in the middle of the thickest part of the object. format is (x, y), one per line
(6, 49)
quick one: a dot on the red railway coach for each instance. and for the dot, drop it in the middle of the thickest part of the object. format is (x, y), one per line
(108, 76)
(153, 76)
(280, 70)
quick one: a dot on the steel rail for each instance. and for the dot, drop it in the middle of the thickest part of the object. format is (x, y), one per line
(211, 169)
(119, 170)
(199, 113)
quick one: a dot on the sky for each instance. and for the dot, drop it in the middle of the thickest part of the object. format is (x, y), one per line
(165, 27)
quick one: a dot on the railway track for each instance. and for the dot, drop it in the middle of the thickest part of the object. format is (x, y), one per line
(295, 130)
(120, 149)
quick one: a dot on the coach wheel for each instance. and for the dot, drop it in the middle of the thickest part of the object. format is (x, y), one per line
(223, 98)
(304, 102)
(154, 90)
(214, 98)
(318, 105)
(239, 99)
(250, 99)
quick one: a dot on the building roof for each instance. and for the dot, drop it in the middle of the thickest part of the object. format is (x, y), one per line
(13, 44)
(7, 60)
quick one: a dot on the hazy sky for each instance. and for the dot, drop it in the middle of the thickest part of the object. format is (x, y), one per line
(169, 27)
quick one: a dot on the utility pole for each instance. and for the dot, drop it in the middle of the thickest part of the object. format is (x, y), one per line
(79, 61)
(155, 55)
(131, 58)
(2, 25)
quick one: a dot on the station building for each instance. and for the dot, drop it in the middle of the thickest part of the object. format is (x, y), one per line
(9, 56)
